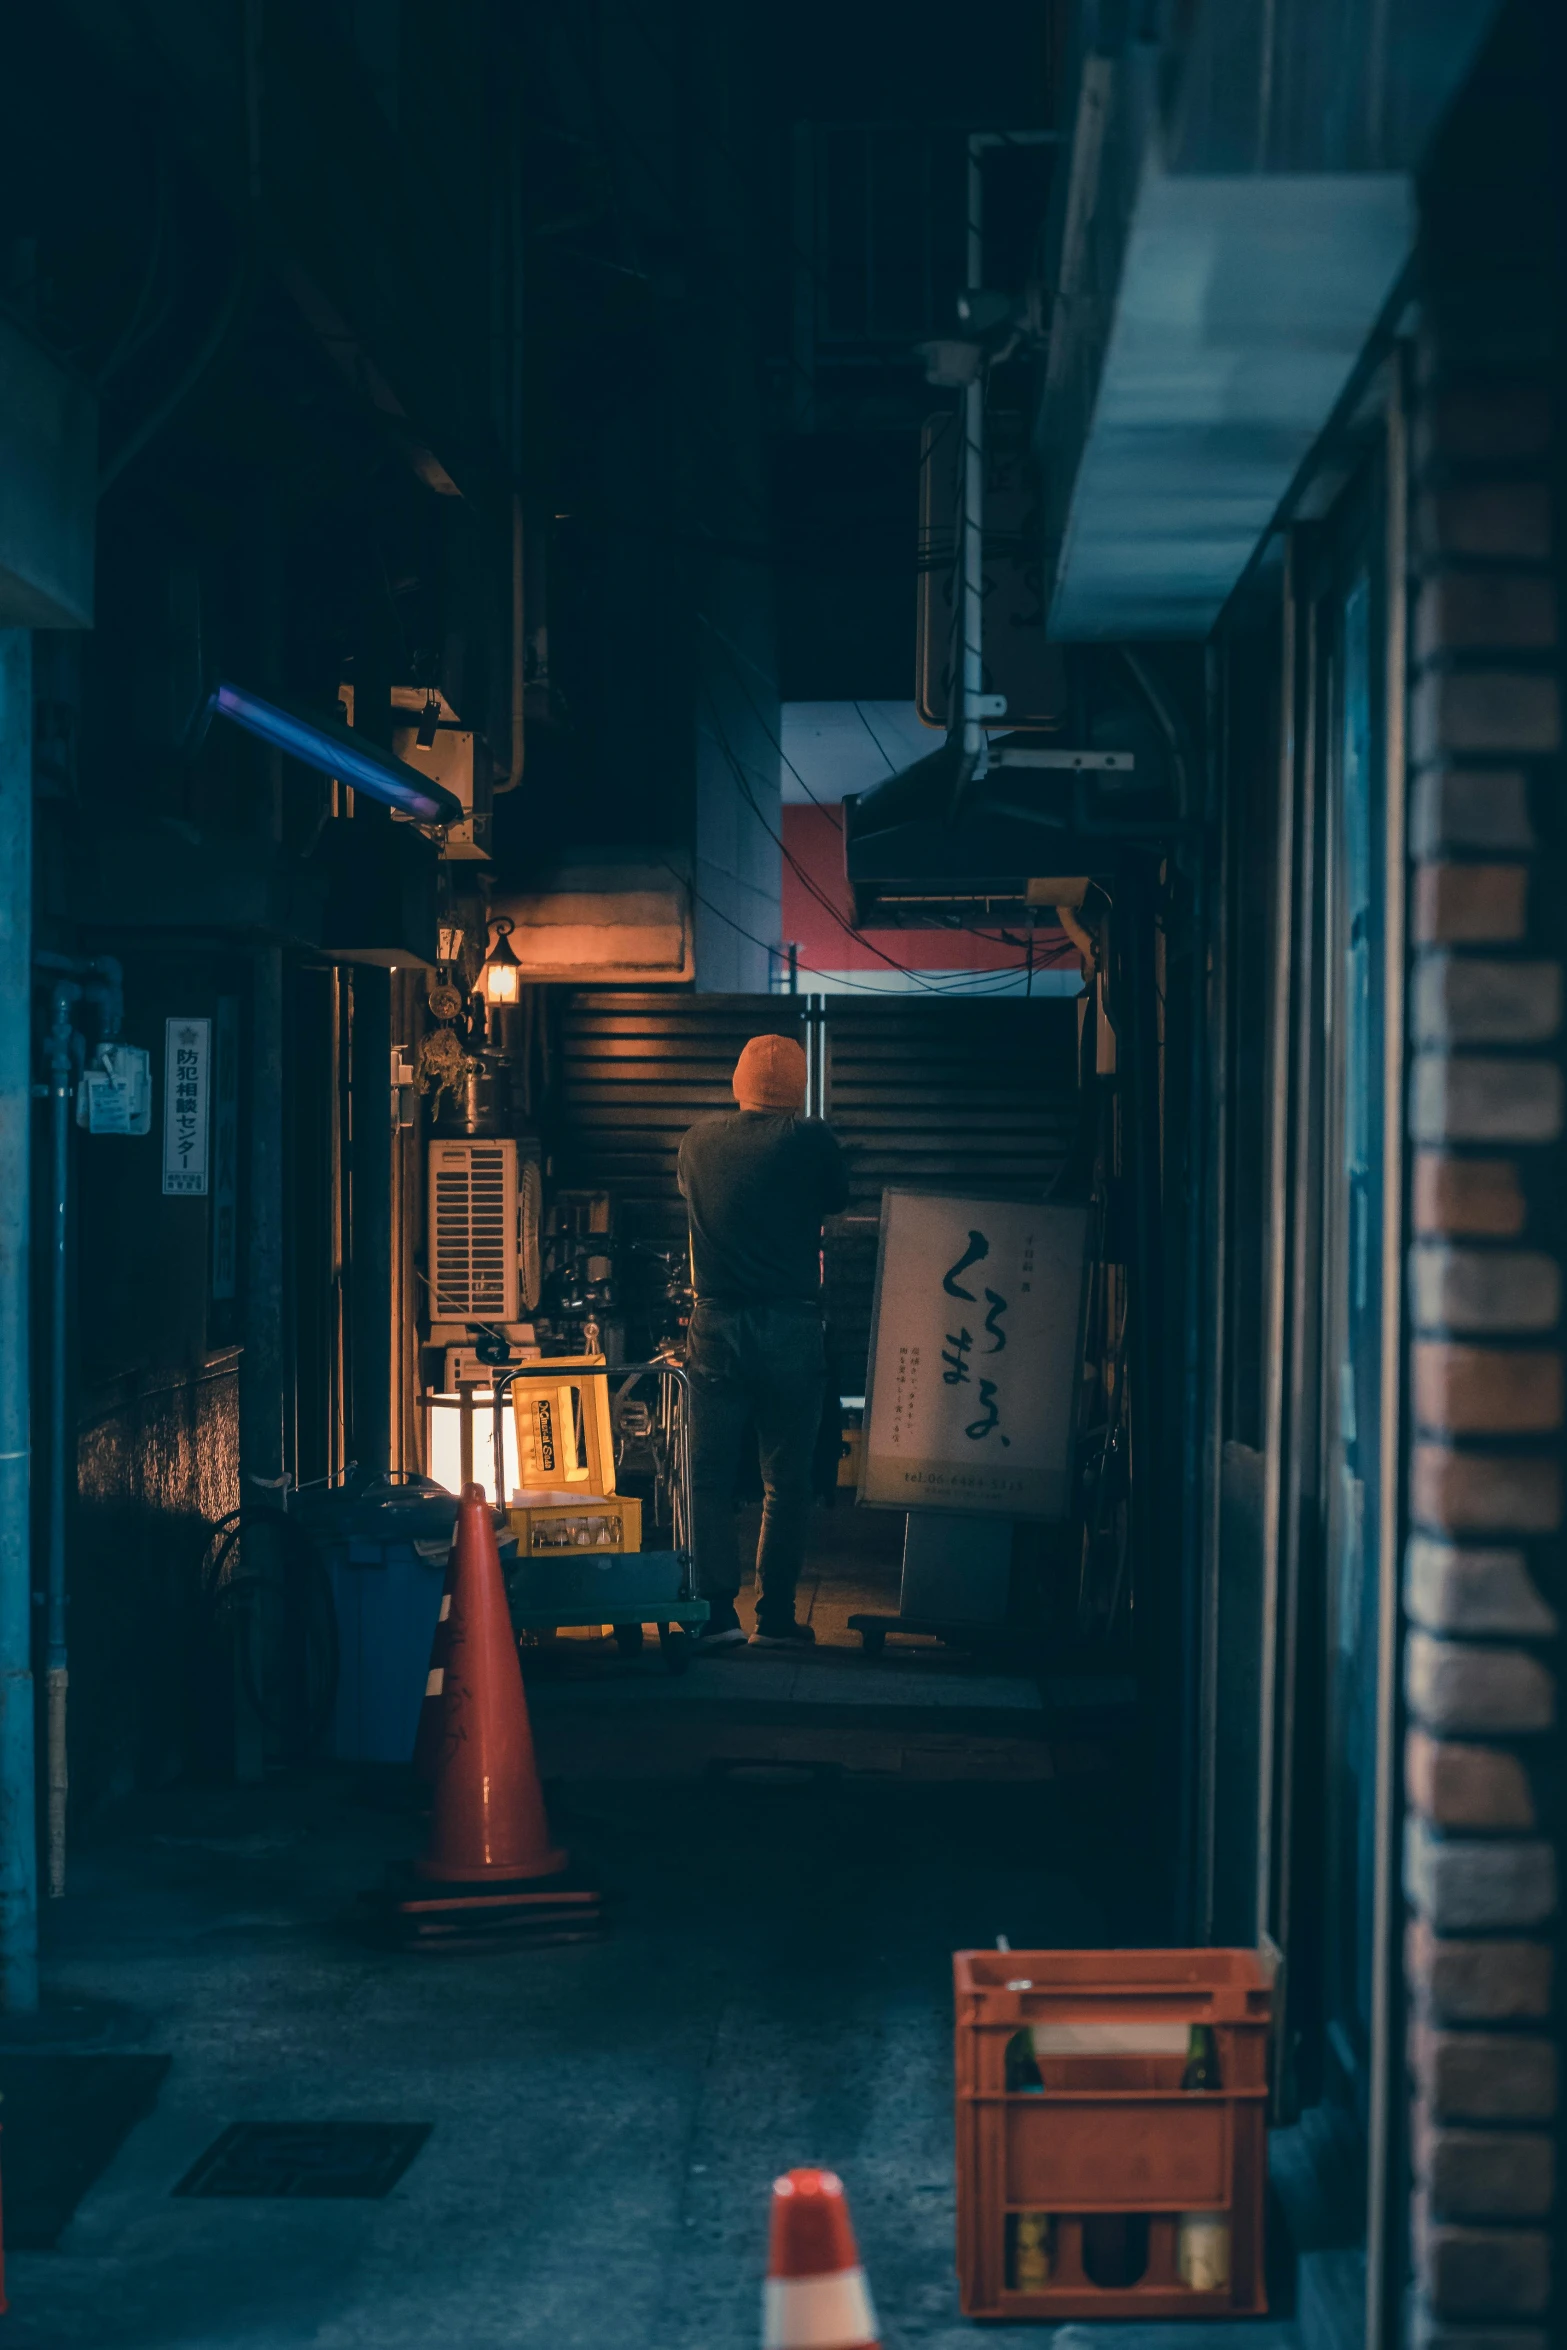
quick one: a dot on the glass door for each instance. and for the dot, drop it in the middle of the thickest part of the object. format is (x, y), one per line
(1330, 1363)
(1328, 1428)
(1351, 1305)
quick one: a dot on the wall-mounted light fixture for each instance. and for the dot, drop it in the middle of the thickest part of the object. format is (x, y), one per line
(334, 749)
(501, 979)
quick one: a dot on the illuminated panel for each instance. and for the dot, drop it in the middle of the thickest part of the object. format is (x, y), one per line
(335, 750)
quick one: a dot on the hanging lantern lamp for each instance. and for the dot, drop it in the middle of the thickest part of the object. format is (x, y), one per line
(500, 981)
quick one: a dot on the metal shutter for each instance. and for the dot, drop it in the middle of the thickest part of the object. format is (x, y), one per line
(978, 1095)
(637, 1070)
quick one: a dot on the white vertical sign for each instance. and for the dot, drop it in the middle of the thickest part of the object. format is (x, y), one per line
(975, 1346)
(187, 1068)
(225, 1149)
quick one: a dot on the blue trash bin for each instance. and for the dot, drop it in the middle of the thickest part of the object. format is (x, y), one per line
(385, 1547)
(388, 1597)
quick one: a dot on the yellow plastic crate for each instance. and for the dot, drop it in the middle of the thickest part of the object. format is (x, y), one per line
(609, 1525)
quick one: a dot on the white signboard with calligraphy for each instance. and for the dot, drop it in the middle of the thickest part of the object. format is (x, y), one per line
(975, 1348)
(187, 1066)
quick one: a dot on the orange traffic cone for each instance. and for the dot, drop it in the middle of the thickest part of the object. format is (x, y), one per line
(432, 1713)
(488, 1863)
(488, 1815)
(815, 2297)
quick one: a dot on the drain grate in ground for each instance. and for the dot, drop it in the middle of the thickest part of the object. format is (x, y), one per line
(306, 2158)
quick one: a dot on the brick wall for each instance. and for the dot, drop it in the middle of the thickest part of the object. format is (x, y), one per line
(1483, 1585)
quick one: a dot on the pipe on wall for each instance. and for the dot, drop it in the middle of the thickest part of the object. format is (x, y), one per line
(64, 997)
(18, 1832)
(96, 980)
(519, 658)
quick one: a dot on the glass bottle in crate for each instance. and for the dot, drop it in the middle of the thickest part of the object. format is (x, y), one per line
(1030, 2251)
(1022, 2066)
(1115, 2248)
(1202, 2060)
(1202, 2251)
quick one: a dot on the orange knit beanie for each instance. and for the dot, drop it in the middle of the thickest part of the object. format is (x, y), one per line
(770, 1075)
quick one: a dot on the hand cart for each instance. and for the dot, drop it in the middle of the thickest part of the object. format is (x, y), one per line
(553, 1590)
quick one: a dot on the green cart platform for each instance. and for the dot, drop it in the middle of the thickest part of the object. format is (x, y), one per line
(566, 1589)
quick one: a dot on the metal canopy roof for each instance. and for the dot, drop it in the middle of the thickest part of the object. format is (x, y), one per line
(1237, 211)
(1244, 303)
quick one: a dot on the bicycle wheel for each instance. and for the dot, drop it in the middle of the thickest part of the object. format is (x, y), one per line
(268, 1600)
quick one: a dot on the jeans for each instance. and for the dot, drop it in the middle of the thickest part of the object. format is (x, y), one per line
(761, 1366)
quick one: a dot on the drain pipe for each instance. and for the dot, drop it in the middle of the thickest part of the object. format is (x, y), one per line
(61, 1042)
(18, 1819)
(973, 703)
(519, 659)
(95, 980)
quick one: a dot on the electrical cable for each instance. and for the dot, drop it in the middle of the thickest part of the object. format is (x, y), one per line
(138, 330)
(930, 985)
(616, 133)
(979, 985)
(735, 658)
(948, 987)
(274, 1606)
(838, 978)
(211, 347)
(807, 880)
(927, 983)
(859, 712)
(720, 146)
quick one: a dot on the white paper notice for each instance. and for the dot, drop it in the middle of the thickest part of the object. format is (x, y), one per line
(974, 1355)
(187, 1064)
(115, 1093)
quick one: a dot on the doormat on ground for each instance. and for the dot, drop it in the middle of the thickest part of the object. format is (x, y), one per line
(62, 2121)
(306, 2158)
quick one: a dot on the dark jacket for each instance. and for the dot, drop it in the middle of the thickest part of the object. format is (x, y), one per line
(757, 1184)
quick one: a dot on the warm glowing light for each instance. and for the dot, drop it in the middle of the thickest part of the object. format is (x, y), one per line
(445, 1455)
(500, 981)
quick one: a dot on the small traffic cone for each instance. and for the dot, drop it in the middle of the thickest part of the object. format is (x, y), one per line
(815, 2297)
(488, 1864)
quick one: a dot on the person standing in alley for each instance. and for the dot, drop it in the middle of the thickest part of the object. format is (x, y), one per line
(757, 1182)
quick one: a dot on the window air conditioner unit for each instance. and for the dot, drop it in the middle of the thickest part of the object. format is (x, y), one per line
(484, 1232)
(474, 1272)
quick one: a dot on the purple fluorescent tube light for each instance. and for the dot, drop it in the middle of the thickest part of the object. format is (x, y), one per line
(336, 750)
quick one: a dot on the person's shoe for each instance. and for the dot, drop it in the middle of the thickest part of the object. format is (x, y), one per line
(787, 1634)
(723, 1629)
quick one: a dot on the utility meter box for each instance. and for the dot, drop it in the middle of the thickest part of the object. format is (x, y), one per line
(460, 761)
(453, 755)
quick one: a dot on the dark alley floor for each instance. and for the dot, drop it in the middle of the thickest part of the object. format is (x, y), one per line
(789, 1870)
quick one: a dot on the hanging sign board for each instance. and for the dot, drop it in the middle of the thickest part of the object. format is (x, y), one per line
(187, 1064)
(976, 1339)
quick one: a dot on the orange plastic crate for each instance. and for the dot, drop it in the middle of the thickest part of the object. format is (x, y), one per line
(1112, 2132)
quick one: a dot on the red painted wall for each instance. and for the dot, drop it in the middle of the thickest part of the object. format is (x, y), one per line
(813, 840)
